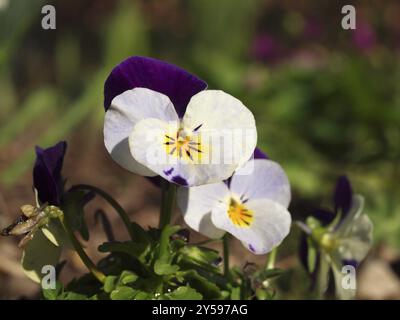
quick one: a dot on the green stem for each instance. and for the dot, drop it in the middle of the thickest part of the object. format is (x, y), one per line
(120, 211)
(82, 254)
(202, 243)
(225, 241)
(167, 203)
(272, 258)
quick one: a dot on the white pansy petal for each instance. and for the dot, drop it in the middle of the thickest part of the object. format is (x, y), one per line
(214, 113)
(147, 144)
(358, 242)
(126, 110)
(261, 227)
(357, 206)
(342, 277)
(174, 154)
(261, 178)
(196, 204)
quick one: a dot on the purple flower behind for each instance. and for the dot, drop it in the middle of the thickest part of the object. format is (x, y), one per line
(343, 196)
(265, 48)
(47, 178)
(364, 37)
(312, 29)
(342, 200)
(136, 72)
(259, 154)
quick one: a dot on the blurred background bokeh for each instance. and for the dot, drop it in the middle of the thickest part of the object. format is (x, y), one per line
(326, 101)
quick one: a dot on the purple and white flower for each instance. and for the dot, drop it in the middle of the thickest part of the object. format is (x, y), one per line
(160, 120)
(252, 207)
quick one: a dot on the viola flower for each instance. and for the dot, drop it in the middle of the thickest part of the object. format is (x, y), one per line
(160, 120)
(47, 178)
(48, 187)
(41, 239)
(364, 37)
(335, 238)
(252, 206)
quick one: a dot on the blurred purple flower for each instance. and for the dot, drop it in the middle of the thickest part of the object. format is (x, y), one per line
(47, 178)
(364, 37)
(312, 29)
(342, 200)
(265, 48)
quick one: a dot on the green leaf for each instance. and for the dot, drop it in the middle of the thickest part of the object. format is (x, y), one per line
(262, 294)
(235, 293)
(123, 293)
(166, 233)
(265, 294)
(164, 268)
(53, 294)
(323, 274)
(141, 295)
(311, 255)
(39, 252)
(75, 296)
(134, 249)
(110, 283)
(128, 277)
(199, 256)
(266, 274)
(208, 289)
(184, 293)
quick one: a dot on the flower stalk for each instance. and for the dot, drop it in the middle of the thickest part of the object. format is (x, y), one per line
(168, 200)
(272, 258)
(82, 254)
(225, 242)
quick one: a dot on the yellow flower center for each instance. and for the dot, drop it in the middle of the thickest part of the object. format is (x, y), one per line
(239, 214)
(183, 146)
(328, 241)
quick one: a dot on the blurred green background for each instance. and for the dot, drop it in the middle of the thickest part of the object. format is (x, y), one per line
(326, 100)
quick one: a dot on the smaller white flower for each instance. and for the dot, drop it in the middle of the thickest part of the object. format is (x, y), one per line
(252, 207)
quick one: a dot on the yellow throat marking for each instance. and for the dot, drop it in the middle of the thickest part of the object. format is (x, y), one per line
(239, 214)
(183, 146)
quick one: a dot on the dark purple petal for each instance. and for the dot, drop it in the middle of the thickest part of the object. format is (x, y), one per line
(343, 195)
(258, 154)
(180, 180)
(352, 262)
(176, 83)
(303, 251)
(324, 216)
(252, 249)
(47, 173)
(169, 171)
